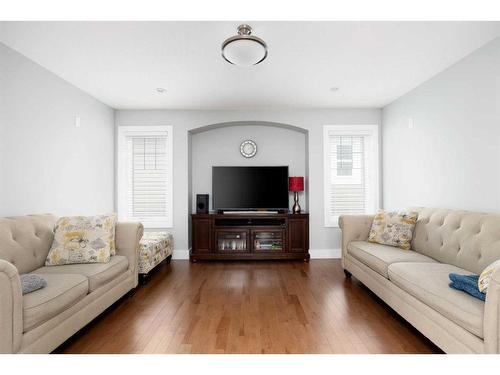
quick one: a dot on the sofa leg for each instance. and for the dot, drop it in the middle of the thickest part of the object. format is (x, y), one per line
(143, 278)
(347, 274)
(131, 292)
(169, 258)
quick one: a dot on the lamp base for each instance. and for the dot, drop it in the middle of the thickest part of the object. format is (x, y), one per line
(296, 206)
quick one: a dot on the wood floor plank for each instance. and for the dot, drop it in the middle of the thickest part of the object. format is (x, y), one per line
(250, 307)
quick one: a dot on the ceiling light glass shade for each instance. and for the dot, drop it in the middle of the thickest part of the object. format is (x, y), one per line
(244, 49)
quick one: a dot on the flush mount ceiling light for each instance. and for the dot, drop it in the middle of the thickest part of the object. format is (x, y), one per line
(244, 49)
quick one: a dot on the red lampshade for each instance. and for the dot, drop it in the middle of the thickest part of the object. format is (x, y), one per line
(296, 183)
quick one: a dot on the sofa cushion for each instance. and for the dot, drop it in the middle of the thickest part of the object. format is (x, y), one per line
(97, 273)
(469, 240)
(26, 240)
(61, 292)
(379, 257)
(428, 282)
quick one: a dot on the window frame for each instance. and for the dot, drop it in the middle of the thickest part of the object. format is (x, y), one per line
(125, 132)
(371, 131)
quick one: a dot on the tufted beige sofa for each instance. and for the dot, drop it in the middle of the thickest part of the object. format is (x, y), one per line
(415, 282)
(40, 321)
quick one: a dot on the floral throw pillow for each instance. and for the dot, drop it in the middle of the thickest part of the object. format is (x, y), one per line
(485, 277)
(393, 228)
(111, 222)
(82, 239)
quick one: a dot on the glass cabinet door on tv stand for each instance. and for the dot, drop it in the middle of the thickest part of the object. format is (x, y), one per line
(268, 240)
(231, 240)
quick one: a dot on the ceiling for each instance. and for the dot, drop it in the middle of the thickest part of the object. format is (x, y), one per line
(122, 63)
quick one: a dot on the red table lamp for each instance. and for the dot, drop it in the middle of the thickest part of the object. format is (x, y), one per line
(296, 184)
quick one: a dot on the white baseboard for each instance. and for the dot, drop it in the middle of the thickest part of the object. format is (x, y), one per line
(180, 254)
(315, 254)
(325, 253)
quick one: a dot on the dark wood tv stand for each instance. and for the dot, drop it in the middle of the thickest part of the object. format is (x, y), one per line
(250, 236)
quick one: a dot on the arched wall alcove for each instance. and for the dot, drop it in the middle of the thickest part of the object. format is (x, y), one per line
(218, 145)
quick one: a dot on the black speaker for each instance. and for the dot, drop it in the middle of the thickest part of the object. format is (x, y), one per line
(202, 203)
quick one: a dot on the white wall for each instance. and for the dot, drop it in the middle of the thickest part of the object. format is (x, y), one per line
(323, 241)
(3, 118)
(276, 146)
(46, 163)
(451, 156)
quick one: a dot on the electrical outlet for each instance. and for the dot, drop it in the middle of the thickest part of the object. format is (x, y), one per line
(77, 122)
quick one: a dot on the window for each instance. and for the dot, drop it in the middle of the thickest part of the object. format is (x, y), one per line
(351, 171)
(145, 175)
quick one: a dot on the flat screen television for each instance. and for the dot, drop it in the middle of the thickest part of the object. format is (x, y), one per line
(250, 188)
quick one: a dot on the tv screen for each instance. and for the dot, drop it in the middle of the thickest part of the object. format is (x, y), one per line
(250, 188)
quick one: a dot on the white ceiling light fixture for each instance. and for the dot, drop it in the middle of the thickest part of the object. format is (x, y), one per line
(160, 90)
(244, 49)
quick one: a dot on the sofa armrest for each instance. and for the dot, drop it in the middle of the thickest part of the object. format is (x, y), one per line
(11, 308)
(354, 228)
(491, 324)
(127, 237)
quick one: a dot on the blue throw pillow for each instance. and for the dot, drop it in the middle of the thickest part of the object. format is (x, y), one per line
(467, 284)
(31, 282)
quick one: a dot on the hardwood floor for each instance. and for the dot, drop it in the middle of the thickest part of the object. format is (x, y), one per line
(250, 307)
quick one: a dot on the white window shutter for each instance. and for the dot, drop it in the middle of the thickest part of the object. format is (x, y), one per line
(145, 188)
(351, 168)
(347, 175)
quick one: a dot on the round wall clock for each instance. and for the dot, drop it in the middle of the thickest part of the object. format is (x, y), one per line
(248, 148)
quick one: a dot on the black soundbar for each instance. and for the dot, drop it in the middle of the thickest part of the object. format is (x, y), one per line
(238, 222)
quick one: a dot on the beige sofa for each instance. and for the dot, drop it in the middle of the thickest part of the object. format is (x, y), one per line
(40, 321)
(415, 282)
